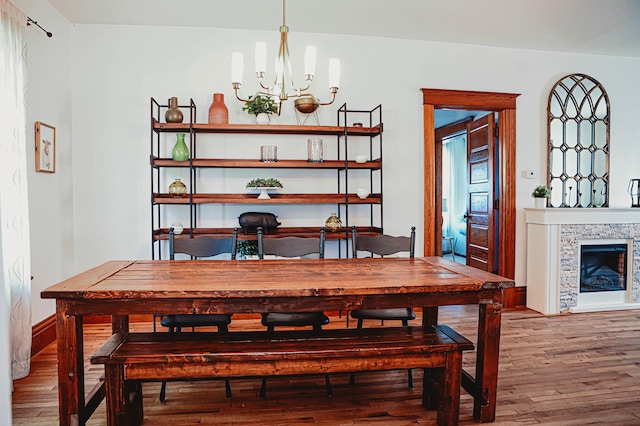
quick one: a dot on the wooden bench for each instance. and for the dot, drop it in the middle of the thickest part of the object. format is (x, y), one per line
(132, 358)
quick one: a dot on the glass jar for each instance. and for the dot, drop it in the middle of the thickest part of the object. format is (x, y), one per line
(333, 223)
(178, 189)
(314, 150)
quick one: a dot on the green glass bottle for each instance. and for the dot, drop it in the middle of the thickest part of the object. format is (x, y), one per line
(180, 150)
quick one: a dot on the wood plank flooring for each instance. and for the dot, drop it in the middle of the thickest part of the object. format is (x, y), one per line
(574, 369)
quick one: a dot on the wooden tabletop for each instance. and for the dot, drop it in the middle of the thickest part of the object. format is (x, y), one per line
(159, 279)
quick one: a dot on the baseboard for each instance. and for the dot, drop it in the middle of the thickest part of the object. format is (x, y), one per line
(515, 298)
(43, 334)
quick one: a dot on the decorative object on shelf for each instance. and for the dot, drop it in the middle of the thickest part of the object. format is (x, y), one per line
(177, 228)
(180, 151)
(264, 185)
(333, 223)
(307, 107)
(283, 77)
(314, 150)
(540, 195)
(362, 193)
(357, 124)
(251, 221)
(634, 192)
(173, 114)
(261, 107)
(178, 189)
(218, 112)
(269, 153)
(361, 158)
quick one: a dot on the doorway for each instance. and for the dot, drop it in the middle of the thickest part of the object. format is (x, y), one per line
(465, 144)
(504, 104)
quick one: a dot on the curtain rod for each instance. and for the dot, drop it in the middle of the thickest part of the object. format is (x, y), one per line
(30, 21)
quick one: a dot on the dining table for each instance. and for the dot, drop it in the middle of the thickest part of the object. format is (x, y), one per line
(133, 287)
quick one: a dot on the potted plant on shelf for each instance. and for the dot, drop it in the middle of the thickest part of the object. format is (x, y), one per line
(264, 185)
(261, 107)
(247, 249)
(540, 195)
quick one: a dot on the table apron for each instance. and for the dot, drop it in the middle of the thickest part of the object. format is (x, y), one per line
(80, 307)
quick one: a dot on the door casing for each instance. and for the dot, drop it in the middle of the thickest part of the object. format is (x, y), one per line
(505, 105)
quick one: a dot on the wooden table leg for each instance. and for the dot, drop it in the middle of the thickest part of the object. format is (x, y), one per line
(70, 366)
(488, 353)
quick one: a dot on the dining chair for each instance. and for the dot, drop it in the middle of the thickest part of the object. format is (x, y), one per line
(293, 247)
(201, 247)
(384, 245)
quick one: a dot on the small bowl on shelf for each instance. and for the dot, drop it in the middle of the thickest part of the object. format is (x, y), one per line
(361, 159)
(362, 193)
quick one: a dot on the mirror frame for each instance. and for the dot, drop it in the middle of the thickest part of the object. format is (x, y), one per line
(578, 130)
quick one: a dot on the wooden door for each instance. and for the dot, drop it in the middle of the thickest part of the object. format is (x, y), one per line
(481, 184)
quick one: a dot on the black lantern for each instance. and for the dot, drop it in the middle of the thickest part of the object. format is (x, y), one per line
(634, 191)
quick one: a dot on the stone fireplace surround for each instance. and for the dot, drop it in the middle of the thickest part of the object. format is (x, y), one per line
(554, 236)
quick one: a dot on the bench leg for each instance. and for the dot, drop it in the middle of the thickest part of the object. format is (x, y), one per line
(430, 388)
(124, 399)
(449, 398)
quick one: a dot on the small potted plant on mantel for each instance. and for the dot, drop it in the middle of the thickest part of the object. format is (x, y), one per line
(540, 195)
(264, 185)
(261, 107)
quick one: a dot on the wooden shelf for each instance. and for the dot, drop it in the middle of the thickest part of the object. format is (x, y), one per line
(255, 164)
(163, 234)
(273, 129)
(252, 198)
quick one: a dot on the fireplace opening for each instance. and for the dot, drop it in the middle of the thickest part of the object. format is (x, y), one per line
(603, 267)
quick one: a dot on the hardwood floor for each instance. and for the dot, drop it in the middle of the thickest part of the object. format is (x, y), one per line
(578, 369)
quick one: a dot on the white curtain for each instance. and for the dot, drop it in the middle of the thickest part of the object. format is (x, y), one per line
(15, 278)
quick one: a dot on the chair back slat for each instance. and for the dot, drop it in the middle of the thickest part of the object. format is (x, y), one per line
(202, 246)
(383, 245)
(291, 246)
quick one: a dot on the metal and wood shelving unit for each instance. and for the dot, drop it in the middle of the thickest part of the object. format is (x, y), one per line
(346, 135)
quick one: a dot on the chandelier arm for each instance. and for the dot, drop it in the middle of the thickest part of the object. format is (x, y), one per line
(334, 90)
(236, 88)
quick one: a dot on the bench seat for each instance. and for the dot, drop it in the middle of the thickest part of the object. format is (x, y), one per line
(134, 357)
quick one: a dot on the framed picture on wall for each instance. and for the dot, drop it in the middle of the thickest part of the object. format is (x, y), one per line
(45, 148)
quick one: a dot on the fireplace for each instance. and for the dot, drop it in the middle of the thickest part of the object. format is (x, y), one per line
(583, 260)
(603, 267)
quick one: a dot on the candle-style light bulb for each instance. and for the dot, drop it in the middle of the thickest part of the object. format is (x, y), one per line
(237, 67)
(310, 61)
(334, 72)
(261, 57)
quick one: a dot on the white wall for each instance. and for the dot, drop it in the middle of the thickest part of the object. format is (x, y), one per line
(116, 69)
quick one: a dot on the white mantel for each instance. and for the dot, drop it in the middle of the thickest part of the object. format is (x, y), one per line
(575, 216)
(553, 238)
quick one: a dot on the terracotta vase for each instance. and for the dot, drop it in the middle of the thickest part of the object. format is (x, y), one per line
(173, 114)
(218, 112)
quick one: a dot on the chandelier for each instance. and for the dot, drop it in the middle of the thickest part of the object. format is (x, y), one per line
(280, 91)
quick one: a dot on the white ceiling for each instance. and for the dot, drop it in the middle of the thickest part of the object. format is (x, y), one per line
(602, 27)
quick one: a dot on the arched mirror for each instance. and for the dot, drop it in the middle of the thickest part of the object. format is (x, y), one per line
(578, 135)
